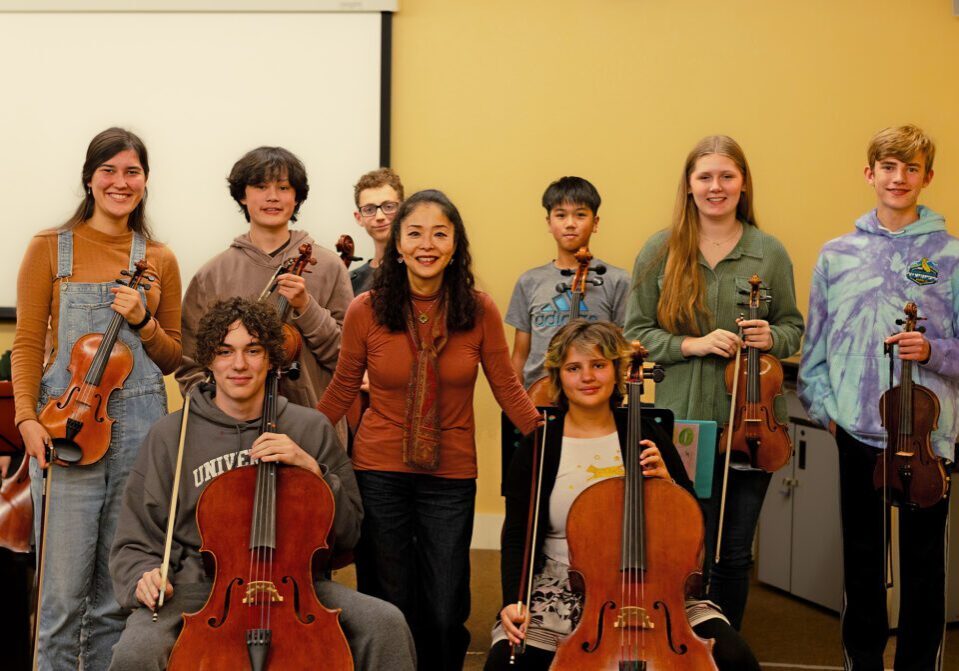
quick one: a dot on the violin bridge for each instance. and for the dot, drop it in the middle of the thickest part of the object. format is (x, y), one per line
(255, 587)
(633, 617)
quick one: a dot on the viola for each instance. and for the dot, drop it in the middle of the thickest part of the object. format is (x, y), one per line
(262, 525)
(541, 392)
(634, 542)
(345, 247)
(909, 473)
(753, 431)
(296, 265)
(77, 421)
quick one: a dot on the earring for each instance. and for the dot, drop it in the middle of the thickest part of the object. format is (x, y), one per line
(400, 259)
(89, 191)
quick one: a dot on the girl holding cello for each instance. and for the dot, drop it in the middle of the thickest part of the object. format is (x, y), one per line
(685, 309)
(421, 333)
(68, 279)
(586, 363)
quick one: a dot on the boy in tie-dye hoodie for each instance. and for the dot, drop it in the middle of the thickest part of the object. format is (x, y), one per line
(899, 252)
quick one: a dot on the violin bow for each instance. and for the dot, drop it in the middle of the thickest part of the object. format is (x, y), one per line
(729, 447)
(171, 519)
(50, 455)
(521, 648)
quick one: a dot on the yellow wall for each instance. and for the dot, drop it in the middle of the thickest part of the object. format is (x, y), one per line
(494, 99)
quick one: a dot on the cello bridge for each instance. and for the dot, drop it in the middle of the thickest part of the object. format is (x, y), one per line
(255, 587)
(633, 617)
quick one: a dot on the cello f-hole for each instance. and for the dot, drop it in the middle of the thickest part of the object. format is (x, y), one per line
(683, 648)
(290, 580)
(226, 604)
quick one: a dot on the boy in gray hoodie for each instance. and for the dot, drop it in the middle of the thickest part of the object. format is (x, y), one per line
(238, 341)
(900, 252)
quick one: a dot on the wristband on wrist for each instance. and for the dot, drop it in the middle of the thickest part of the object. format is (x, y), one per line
(143, 322)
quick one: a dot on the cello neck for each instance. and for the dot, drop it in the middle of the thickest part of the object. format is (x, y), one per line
(633, 551)
(575, 298)
(263, 531)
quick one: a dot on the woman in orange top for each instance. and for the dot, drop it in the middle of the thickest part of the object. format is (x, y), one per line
(421, 333)
(67, 279)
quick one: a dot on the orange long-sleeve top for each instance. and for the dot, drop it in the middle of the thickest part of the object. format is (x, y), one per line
(387, 355)
(97, 257)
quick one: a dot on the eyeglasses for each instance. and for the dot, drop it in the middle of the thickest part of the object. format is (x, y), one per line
(389, 207)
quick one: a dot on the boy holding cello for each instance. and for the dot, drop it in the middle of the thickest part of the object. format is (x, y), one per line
(899, 253)
(238, 342)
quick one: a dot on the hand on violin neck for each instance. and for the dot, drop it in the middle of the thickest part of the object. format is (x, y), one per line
(756, 333)
(913, 346)
(280, 448)
(651, 461)
(293, 289)
(128, 303)
(148, 588)
(719, 342)
(514, 622)
(35, 440)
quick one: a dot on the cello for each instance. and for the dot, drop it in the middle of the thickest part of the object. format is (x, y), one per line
(262, 525)
(100, 363)
(634, 543)
(541, 392)
(753, 431)
(909, 473)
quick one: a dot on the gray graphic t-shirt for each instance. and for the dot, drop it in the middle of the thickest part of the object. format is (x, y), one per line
(536, 307)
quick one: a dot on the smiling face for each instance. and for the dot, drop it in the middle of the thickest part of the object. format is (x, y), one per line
(239, 369)
(572, 224)
(716, 184)
(426, 245)
(270, 204)
(377, 225)
(899, 183)
(588, 377)
(118, 186)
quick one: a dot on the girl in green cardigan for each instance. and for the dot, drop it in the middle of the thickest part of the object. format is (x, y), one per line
(683, 308)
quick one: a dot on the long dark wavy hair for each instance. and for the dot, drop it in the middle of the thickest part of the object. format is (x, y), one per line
(103, 147)
(390, 294)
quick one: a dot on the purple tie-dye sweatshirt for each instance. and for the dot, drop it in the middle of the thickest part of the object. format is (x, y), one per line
(860, 285)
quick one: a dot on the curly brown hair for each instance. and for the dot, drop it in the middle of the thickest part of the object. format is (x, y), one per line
(260, 319)
(375, 179)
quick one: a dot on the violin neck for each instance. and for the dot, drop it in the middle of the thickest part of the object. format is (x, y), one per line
(102, 357)
(633, 552)
(263, 532)
(905, 399)
(753, 394)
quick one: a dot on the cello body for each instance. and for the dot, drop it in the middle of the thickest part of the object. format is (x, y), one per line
(16, 509)
(301, 630)
(663, 636)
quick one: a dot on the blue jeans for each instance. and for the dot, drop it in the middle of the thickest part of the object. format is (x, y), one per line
(728, 580)
(414, 553)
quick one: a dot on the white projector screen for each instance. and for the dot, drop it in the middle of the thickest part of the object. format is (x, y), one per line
(200, 89)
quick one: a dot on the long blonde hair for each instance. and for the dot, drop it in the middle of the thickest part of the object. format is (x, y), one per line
(682, 301)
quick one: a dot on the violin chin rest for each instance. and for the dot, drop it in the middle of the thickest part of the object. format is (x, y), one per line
(67, 451)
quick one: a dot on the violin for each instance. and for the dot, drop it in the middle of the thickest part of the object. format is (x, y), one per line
(909, 473)
(77, 421)
(345, 248)
(295, 265)
(753, 430)
(262, 525)
(634, 542)
(541, 392)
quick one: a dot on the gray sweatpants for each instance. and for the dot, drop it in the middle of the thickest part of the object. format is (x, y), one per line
(376, 630)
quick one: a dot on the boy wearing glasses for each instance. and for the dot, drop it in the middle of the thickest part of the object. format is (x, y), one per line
(378, 195)
(269, 184)
(537, 310)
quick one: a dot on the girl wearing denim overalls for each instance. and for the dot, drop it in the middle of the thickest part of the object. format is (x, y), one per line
(67, 279)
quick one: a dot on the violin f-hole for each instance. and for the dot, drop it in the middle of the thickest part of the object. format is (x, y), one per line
(65, 402)
(226, 604)
(587, 646)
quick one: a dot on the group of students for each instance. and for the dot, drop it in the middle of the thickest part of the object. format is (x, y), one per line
(413, 337)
